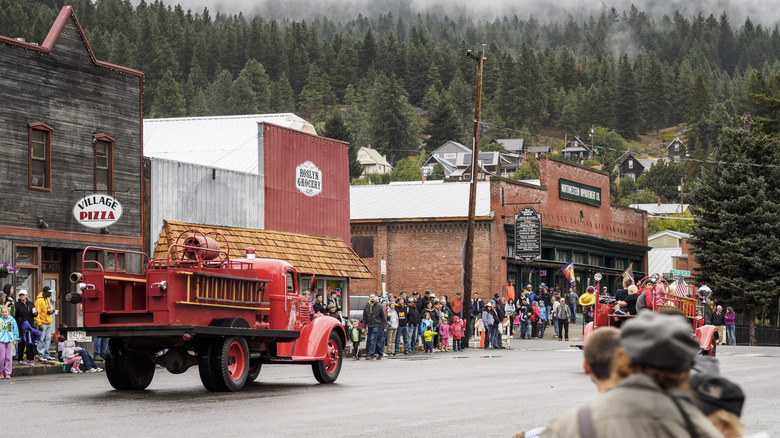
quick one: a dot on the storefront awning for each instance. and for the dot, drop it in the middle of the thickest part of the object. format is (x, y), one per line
(322, 256)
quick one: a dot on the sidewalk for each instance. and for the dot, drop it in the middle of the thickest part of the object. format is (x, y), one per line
(40, 369)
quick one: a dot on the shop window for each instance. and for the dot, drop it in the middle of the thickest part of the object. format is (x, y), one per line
(27, 275)
(580, 258)
(115, 261)
(363, 246)
(39, 157)
(104, 172)
(561, 255)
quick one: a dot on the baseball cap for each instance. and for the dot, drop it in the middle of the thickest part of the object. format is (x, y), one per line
(660, 341)
(22, 292)
(46, 289)
(715, 392)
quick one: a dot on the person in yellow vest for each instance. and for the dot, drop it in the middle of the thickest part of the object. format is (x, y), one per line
(44, 323)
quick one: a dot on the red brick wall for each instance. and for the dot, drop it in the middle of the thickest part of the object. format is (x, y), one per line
(426, 255)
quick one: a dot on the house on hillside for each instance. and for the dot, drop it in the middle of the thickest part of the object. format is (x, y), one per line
(538, 151)
(676, 150)
(456, 160)
(577, 150)
(632, 167)
(659, 210)
(373, 162)
(667, 239)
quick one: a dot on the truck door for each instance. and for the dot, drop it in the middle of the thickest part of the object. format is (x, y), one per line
(291, 302)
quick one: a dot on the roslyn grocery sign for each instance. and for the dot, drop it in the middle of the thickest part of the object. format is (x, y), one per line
(97, 211)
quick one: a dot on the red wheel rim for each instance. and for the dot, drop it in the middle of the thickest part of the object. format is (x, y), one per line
(332, 357)
(236, 362)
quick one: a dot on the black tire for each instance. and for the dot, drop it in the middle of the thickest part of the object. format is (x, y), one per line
(204, 364)
(327, 370)
(228, 364)
(230, 322)
(254, 370)
(127, 370)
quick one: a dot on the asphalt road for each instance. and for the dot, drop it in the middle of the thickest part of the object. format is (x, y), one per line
(473, 393)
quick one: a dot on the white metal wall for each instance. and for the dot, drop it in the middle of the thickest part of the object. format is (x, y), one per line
(191, 193)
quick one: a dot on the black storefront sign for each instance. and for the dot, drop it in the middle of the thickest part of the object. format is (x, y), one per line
(528, 235)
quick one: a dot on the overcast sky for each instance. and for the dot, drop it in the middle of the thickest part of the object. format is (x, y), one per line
(759, 11)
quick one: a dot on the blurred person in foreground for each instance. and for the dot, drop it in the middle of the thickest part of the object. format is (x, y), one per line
(652, 398)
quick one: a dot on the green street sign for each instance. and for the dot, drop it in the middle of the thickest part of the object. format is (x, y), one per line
(675, 273)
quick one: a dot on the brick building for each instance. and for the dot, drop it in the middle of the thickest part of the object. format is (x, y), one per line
(419, 230)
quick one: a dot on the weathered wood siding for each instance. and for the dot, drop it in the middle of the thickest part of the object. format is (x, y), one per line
(203, 195)
(66, 90)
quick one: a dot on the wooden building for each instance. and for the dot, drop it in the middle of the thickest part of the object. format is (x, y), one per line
(72, 159)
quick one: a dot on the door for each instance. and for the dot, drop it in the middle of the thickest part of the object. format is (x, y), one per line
(53, 281)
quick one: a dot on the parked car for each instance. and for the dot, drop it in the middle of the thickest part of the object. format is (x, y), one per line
(356, 305)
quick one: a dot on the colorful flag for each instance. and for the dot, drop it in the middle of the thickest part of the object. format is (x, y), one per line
(568, 271)
(629, 272)
(681, 289)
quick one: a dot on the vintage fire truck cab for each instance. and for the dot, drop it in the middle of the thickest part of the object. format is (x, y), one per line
(199, 307)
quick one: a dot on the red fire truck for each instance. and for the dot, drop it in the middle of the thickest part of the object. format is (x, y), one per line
(199, 307)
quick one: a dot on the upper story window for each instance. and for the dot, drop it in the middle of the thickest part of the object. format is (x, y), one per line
(630, 164)
(104, 172)
(677, 147)
(39, 158)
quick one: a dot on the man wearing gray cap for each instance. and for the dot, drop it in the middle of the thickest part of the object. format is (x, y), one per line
(650, 400)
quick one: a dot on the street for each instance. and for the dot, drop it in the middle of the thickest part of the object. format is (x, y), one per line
(472, 393)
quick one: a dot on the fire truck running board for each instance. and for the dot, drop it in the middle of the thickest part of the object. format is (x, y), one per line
(196, 330)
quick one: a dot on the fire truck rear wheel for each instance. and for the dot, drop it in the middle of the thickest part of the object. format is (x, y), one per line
(229, 363)
(328, 369)
(254, 370)
(127, 370)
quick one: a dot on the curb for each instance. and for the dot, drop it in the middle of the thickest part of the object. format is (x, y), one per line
(42, 369)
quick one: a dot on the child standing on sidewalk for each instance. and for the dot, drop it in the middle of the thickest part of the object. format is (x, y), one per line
(426, 327)
(9, 335)
(444, 335)
(457, 334)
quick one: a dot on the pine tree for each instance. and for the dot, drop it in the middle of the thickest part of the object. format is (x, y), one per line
(169, 101)
(317, 94)
(736, 229)
(335, 128)
(626, 120)
(392, 123)
(442, 126)
(699, 100)
(282, 96)
(254, 74)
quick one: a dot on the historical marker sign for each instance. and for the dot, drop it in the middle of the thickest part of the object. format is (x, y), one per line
(528, 235)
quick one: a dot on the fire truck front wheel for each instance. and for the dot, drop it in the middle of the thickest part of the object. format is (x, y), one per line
(127, 370)
(328, 369)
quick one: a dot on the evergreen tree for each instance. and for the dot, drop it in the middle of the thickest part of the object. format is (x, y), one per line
(699, 100)
(663, 179)
(736, 230)
(169, 101)
(626, 100)
(335, 128)
(442, 126)
(254, 74)
(282, 96)
(408, 169)
(392, 122)
(653, 103)
(317, 94)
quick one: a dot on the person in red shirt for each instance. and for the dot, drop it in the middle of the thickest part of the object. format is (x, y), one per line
(457, 333)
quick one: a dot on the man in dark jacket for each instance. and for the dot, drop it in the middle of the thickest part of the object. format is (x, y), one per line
(375, 318)
(571, 301)
(413, 324)
(500, 315)
(477, 305)
(402, 309)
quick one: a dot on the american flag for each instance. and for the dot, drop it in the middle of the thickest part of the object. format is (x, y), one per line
(681, 289)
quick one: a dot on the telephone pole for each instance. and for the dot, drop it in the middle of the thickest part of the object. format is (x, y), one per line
(468, 263)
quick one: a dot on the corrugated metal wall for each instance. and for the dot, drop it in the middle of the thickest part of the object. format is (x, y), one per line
(191, 193)
(326, 214)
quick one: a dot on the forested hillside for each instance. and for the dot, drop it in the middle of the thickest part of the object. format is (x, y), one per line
(391, 74)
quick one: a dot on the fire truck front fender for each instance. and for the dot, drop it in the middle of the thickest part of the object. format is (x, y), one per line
(313, 342)
(707, 335)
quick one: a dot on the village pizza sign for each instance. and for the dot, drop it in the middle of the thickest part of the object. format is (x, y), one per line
(97, 211)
